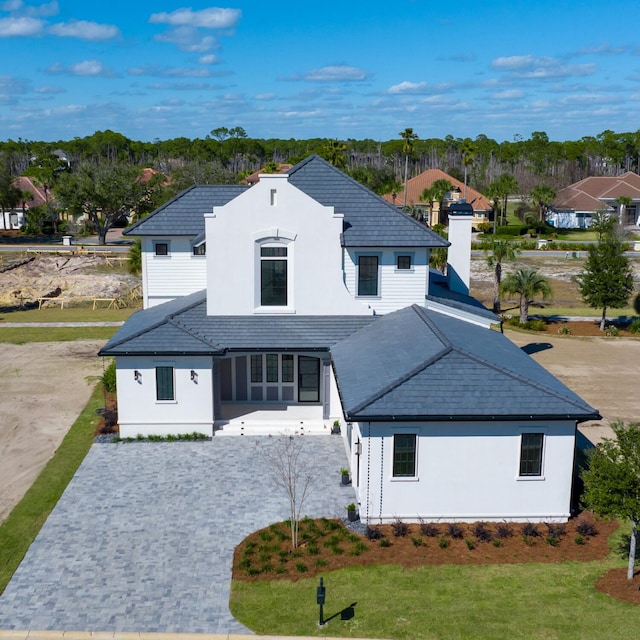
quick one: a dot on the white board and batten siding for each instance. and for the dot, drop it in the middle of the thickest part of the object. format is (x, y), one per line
(177, 274)
(397, 288)
(465, 472)
(190, 410)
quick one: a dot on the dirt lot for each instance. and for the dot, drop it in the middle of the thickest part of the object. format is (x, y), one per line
(44, 388)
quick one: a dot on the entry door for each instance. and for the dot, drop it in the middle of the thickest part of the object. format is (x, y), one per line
(308, 379)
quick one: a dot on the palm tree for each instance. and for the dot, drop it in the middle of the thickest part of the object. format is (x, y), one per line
(501, 251)
(526, 283)
(407, 148)
(468, 152)
(502, 188)
(333, 151)
(435, 193)
(623, 202)
(542, 195)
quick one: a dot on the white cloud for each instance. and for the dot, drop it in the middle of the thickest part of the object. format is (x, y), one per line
(42, 10)
(414, 88)
(184, 86)
(11, 87)
(49, 90)
(20, 27)
(540, 67)
(188, 39)
(169, 72)
(265, 96)
(509, 94)
(86, 68)
(604, 49)
(334, 73)
(208, 59)
(212, 18)
(84, 30)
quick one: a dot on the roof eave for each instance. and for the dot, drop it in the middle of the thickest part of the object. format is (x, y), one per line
(582, 417)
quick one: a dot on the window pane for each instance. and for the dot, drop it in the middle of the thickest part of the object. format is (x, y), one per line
(368, 275)
(273, 252)
(274, 283)
(272, 367)
(287, 368)
(256, 368)
(531, 454)
(200, 250)
(404, 455)
(308, 379)
(162, 249)
(404, 262)
(164, 383)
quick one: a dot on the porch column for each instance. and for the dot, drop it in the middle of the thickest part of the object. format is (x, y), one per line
(326, 388)
(215, 381)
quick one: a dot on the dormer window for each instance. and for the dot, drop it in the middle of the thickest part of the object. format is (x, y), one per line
(273, 275)
(200, 249)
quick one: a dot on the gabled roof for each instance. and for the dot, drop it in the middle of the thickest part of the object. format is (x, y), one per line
(416, 365)
(598, 192)
(369, 221)
(26, 184)
(415, 187)
(182, 327)
(183, 215)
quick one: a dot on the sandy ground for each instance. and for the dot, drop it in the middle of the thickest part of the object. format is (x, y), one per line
(44, 388)
(601, 370)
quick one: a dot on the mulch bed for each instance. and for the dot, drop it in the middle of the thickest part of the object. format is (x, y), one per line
(614, 583)
(590, 328)
(326, 545)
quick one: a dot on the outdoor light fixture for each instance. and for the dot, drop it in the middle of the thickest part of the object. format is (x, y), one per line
(194, 376)
(320, 598)
(358, 448)
(137, 376)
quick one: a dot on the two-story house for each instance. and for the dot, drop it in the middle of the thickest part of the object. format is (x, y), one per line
(306, 299)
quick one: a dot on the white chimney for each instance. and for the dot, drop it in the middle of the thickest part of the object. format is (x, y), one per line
(459, 253)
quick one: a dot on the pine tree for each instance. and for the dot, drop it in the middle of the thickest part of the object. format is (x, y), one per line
(607, 281)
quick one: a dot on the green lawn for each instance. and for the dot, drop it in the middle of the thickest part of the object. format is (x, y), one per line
(24, 522)
(22, 335)
(467, 601)
(70, 314)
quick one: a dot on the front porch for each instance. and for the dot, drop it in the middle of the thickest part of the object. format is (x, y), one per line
(271, 419)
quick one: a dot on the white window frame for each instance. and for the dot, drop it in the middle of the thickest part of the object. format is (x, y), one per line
(169, 365)
(280, 241)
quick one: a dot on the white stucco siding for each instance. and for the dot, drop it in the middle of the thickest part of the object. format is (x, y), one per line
(466, 472)
(397, 288)
(276, 213)
(177, 274)
(139, 410)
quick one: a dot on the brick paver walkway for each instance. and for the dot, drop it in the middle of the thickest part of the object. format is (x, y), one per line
(143, 537)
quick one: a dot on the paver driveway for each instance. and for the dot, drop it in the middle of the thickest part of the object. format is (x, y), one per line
(143, 537)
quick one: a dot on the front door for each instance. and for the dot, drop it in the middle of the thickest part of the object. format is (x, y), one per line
(308, 379)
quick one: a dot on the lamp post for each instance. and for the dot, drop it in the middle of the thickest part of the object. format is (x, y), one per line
(320, 596)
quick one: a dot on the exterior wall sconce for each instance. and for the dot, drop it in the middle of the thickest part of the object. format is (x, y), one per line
(137, 376)
(194, 376)
(358, 448)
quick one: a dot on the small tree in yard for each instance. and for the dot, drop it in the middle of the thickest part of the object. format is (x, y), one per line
(291, 474)
(607, 281)
(497, 252)
(527, 284)
(612, 481)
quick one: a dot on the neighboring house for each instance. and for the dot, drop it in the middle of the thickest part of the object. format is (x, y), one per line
(574, 206)
(255, 176)
(432, 215)
(306, 299)
(33, 196)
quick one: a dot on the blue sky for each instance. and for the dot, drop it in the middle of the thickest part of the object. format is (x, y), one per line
(348, 69)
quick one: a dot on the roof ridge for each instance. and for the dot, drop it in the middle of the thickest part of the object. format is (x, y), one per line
(447, 348)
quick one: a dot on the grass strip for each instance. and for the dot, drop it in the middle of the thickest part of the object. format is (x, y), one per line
(68, 314)
(22, 335)
(448, 601)
(23, 524)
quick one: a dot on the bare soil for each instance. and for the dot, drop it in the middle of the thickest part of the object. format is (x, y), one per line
(44, 388)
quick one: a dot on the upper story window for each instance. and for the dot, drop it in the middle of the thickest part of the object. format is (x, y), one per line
(403, 262)
(368, 278)
(200, 249)
(273, 275)
(161, 248)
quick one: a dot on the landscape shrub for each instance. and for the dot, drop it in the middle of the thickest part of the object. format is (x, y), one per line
(399, 528)
(109, 378)
(428, 529)
(504, 530)
(634, 327)
(481, 532)
(530, 530)
(585, 528)
(372, 533)
(454, 530)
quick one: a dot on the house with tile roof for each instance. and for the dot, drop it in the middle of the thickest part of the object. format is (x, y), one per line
(32, 196)
(574, 206)
(306, 300)
(436, 212)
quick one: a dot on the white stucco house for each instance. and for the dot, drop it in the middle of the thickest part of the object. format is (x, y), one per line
(306, 299)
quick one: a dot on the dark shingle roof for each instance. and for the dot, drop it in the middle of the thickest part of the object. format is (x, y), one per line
(413, 364)
(183, 215)
(369, 221)
(182, 326)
